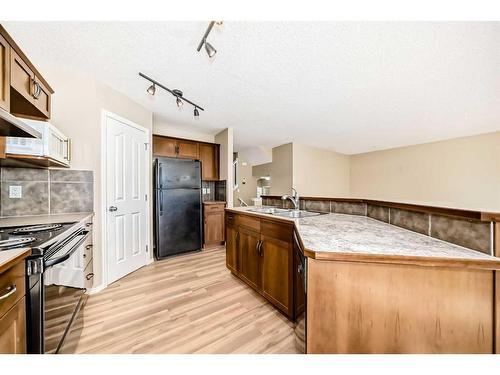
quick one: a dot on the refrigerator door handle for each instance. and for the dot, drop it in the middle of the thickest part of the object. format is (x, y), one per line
(161, 202)
(160, 179)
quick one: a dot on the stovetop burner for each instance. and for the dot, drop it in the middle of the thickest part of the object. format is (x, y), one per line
(36, 229)
(34, 236)
(16, 242)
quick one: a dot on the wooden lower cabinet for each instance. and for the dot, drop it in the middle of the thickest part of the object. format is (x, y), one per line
(277, 265)
(213, 223)
(232, 238)
(260, 253)
(250, 269)
(13, 330)
(355, 307)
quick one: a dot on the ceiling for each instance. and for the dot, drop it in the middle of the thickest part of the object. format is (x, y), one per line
(351, 87)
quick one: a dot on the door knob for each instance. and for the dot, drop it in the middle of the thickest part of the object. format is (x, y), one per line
(113, 208)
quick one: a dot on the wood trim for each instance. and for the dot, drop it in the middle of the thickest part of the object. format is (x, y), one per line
(2, 147)
(21, 54)
(452, 315)
(405, 260)
(496, 235)
(31, 161)
(445, 211)
(496, 313)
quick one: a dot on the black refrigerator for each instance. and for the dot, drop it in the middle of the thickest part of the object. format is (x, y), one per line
(177, 206)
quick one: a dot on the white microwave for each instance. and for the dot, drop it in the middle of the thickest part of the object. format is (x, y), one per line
(53, 143)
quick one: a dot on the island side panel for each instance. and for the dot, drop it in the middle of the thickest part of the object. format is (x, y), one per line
(386, 308)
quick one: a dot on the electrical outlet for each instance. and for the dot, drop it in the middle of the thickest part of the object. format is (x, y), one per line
(15, 192)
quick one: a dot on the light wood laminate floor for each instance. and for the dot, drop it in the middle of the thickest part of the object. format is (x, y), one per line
(186, 304)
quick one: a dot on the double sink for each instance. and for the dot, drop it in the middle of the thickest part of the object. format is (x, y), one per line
(282, 212)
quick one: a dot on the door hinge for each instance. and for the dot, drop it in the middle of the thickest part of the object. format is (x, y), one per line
(34, 266)
(147, 249)
(146, 146)
(146, 197)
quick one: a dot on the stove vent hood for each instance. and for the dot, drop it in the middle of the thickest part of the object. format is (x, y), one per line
(11, 126)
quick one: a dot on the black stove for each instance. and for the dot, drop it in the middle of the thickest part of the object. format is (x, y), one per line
(30, 235)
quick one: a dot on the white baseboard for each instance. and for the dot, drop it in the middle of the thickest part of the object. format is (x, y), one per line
(97, 289)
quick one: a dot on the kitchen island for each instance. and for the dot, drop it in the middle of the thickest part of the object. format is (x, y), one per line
(376, 288)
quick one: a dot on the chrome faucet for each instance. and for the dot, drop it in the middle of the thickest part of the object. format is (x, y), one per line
(294, 198)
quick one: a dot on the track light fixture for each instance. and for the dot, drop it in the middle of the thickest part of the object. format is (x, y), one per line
(152, 89)
(211, 51)
(179, 98)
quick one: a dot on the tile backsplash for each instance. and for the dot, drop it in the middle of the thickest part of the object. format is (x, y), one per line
(213, 190)
(46, 191)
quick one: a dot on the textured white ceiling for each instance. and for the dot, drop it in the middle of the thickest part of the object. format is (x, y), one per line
(350, 87)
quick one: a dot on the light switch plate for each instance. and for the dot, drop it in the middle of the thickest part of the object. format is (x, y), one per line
(15, 191)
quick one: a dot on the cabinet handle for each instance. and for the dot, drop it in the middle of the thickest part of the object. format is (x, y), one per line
(88, 225)
(68, 149)
(10, 290)
(89, 276)
(260, 248)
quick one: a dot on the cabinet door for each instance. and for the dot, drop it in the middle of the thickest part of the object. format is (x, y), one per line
(4, 74)
(187, 149)
(214, 227)
(163, 146)
(21, 77)
(249, 257)
(13, 330)
(277, 263)
(209, 157)
(232, 238)
(41, 96)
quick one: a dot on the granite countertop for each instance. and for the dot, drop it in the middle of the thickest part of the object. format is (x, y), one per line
(360, 235)
(10, 256)
(15, 221)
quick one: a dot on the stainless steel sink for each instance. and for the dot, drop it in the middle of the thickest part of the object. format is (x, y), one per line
(297, 214)
(268, 210)
(294, 214)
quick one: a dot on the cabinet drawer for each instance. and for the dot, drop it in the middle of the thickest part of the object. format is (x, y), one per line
(214, 207)
(283, 232)
(12, 287)
(249, 222)
(13, 329)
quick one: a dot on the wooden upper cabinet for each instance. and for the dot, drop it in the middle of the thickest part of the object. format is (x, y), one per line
(4, 74)
(23, 91)
(209, 157)
(187, 149)
(41, 97)
(163, 146)
(22, 77)
(207, 153)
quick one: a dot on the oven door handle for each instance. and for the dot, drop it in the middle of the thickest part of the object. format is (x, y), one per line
(65, 257)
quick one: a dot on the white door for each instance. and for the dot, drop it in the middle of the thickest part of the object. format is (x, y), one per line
(126, 205)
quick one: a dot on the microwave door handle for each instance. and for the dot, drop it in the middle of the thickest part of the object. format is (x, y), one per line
(65, 257)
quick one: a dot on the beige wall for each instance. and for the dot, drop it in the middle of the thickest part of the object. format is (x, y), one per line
(225, 139)
(462, 173)
(282, 170)
(262, 170)
(320, 173)
(161, 127)
(247, 183)
(77, 113)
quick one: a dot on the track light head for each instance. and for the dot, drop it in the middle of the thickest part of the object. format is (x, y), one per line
(196, 112)
(179, 102)
(211, 51)
(152, 89)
